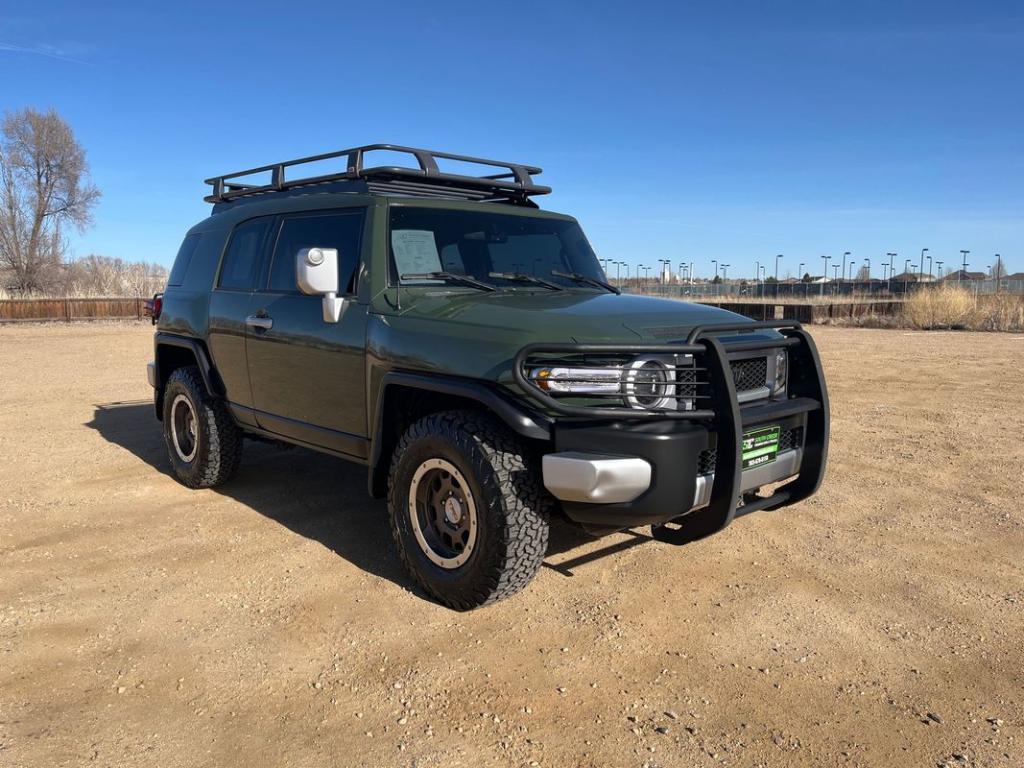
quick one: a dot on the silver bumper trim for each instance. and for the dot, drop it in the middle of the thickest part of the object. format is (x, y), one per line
(151, 374)
(785, 465)
(595, 478)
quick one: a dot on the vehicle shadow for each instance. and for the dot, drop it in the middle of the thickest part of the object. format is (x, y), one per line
(316, 496)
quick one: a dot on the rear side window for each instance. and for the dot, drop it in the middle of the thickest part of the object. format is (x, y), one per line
(323, 230)
(183, 259)
(241, 262)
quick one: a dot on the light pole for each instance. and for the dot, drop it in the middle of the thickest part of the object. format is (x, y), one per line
(845, 254)
(906, 275)
(777, 257)
(938, 267)
(999, 269)
(757, 275)
(885, 271)
(923, 252)
(725, 267)
(715, 262)
(963, 270)
(824, 275)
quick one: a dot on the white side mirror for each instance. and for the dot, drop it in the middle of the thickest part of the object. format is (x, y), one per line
(316, 272)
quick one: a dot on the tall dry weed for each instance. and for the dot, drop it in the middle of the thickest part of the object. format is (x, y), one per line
(1000, 312)
(944, 307)
(953, 307)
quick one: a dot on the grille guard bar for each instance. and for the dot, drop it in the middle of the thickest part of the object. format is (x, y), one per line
(807, 393)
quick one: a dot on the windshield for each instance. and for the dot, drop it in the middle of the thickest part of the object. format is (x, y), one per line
(480, 243)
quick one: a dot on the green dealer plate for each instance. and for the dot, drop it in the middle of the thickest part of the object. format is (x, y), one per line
(760, 446)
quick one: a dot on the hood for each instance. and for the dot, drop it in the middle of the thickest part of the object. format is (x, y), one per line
(570, 316)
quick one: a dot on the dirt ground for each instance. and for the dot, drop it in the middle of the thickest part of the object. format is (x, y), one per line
(268, 623)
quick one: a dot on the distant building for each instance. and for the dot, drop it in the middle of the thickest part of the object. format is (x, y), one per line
(959, 275)
(914, 277)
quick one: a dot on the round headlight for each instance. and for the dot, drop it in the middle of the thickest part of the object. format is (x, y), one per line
(648, 385)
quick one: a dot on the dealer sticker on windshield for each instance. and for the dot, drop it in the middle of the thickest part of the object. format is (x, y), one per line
(760, 446)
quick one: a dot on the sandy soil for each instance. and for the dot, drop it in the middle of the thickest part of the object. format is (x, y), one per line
(268, 623)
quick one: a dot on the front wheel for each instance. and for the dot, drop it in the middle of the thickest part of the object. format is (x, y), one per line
(203, 442)
(468, 512)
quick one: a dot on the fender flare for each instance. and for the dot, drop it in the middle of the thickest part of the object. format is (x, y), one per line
(211, 381)
(521, 420)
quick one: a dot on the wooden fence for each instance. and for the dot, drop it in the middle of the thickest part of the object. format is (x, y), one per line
(39, 310)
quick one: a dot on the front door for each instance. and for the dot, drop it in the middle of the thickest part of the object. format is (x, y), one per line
(307, 375)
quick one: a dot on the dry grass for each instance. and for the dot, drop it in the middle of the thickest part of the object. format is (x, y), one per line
(952, 307)
(813, 297)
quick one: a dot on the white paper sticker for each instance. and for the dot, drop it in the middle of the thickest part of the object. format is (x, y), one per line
(415, 251)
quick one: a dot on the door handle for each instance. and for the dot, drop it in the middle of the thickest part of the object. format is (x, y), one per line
(259, 322)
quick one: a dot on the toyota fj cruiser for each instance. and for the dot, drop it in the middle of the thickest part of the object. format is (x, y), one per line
(434, 325)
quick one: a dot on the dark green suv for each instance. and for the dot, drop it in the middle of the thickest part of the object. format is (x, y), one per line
(427, 320)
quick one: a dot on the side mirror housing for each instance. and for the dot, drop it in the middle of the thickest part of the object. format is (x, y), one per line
(316, 273)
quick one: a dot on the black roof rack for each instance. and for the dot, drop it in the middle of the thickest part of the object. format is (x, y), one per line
(514, 184)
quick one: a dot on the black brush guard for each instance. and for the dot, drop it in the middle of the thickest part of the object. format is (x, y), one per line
(807, 397)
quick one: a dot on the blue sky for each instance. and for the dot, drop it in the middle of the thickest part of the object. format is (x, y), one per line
(691, 131)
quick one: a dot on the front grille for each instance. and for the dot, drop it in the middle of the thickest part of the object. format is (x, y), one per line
(706, 461)
(748, 374)
(791, 438)
(788, 439)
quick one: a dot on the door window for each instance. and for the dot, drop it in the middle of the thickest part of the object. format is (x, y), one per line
(341, 231)
(241, 262)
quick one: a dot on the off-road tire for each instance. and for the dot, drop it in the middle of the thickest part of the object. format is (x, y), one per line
(218, 439)
(511, 502)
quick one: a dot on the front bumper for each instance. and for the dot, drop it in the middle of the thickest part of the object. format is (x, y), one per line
(648, 470)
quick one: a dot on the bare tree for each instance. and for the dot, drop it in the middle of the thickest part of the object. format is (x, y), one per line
(863, 274)
(44, 187)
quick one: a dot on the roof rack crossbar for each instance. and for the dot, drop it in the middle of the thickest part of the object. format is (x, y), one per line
(515, 183)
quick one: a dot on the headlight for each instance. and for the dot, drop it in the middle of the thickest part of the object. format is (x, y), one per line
(781, 372)
(648, 384)
(581, 381)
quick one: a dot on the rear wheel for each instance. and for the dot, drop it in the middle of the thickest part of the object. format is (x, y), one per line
(203, 442)
(468, 512)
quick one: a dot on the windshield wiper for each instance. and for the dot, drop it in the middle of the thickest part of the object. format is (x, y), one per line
(450, 277)
(577, 277)
(522, 277)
